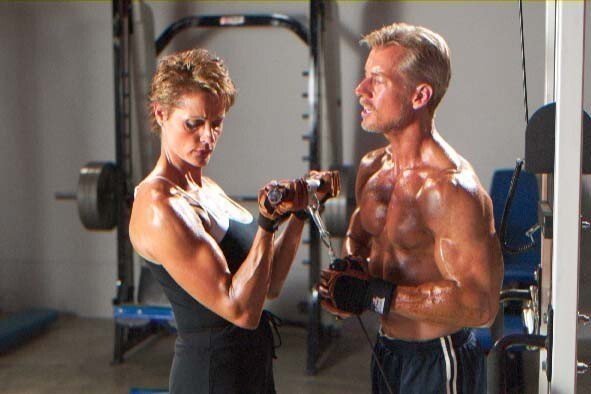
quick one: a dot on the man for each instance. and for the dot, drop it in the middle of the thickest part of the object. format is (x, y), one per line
(421, 244)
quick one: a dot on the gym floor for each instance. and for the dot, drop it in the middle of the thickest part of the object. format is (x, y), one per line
(74, 354)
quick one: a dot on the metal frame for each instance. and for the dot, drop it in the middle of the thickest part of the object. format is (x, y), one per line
(565, 29)
(125, 337)
(558, 276)
(314, 328)
(237, 20)
(325, 151)
(570, 32)
(545, 280)
(121, 51)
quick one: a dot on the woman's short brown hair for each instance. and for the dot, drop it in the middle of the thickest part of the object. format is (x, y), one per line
(187, 72)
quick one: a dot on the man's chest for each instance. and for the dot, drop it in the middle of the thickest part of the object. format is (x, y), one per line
(391, 208)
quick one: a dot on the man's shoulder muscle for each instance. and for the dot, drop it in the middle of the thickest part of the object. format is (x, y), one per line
(369, 164)
(454, 192)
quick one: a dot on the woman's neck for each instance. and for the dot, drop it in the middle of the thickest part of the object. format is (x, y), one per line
(185, 176)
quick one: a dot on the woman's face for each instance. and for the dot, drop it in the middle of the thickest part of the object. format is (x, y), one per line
(191, 129)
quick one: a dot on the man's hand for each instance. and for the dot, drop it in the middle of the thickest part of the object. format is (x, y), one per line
(350, 262)
(348, 266)
(347, 289)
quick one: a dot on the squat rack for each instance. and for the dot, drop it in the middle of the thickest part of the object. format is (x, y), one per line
(126, 312)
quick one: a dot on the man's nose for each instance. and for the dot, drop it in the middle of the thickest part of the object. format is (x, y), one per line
(361, 89)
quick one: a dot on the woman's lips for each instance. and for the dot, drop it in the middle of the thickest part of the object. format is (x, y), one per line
(202, 152)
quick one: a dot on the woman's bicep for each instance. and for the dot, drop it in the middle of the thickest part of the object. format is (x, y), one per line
(178, 241)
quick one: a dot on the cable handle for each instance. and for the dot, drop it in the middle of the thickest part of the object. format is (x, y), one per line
(507, 209)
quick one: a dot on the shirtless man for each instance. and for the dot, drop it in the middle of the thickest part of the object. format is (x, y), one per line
(421, 244)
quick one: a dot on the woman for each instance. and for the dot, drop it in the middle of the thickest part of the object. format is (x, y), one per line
(215, 264)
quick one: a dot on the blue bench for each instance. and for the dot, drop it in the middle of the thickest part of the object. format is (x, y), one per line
(17, 328)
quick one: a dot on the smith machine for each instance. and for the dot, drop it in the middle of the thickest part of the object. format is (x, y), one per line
(105, 189)
(558, 151)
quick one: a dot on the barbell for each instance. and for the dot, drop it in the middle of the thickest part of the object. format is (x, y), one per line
(100, 189)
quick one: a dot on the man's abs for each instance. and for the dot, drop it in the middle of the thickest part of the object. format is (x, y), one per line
(399, 327)
(406, 267)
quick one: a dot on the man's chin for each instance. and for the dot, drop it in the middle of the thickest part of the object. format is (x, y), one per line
(369, 129)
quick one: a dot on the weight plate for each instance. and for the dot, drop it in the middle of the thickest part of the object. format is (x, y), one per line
(99, 189)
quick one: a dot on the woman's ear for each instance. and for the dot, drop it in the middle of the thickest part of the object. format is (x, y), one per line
(160, 113)
(422, 96)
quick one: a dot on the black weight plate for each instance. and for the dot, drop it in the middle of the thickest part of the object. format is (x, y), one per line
(98, 195)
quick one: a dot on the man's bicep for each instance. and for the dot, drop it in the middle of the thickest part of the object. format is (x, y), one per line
(466, 246)
(357, 239)
(470, 261)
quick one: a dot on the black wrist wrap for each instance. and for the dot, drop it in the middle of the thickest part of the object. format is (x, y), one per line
(267, 224)
(379, 296)
(349, 294)
(302, 214)
(356, 295)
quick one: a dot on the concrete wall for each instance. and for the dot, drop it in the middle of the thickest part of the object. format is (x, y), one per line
(57, 114)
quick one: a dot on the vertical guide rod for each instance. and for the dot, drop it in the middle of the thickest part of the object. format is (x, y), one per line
(570, 32)
(314, 312)
(121, 49)
(546, 195)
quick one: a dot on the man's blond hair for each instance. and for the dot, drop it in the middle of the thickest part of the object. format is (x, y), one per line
(427, 58)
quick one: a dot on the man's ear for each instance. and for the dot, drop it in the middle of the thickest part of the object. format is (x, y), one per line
(160, 112)
(422, 95)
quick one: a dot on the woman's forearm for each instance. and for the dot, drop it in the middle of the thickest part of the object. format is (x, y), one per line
(286, 247)
(249, 285)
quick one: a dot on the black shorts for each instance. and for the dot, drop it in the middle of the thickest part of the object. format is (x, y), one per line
(447, 365)
(228, 360)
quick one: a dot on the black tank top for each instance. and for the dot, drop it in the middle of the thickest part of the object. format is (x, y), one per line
(190, 315)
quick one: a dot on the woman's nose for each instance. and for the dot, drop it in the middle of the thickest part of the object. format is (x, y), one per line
(206, 136)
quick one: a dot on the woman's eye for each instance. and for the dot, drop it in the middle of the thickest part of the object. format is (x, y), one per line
(192, 124)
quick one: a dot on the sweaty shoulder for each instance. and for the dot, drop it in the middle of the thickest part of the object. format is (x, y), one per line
(369, 165)
(455, 194)
(152, 198)
(372, 159)
(152, 190)
(156, 211)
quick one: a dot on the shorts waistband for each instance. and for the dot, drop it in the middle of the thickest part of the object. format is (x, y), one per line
(224, 334)
(200, 331)
(458, 339)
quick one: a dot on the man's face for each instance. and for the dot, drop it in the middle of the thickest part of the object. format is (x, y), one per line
(385, 98)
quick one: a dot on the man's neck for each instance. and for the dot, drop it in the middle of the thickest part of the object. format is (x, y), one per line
(407, 145)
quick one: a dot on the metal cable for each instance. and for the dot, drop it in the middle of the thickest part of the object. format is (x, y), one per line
(523, 61)
(325, 235)
(510, 194)
(374, 355)
(503, 227)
